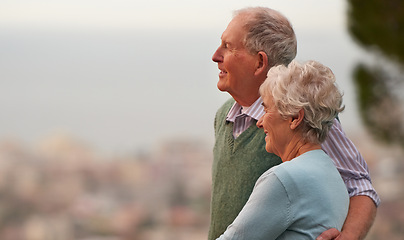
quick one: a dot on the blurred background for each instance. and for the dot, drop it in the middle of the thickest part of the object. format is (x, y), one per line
(107, 107)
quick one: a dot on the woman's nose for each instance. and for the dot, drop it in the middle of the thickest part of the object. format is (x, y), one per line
(259, 123)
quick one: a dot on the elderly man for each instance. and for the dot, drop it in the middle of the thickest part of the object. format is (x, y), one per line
(254, 41)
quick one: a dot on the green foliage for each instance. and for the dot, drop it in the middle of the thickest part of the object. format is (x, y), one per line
(378, 107)
(378, 25)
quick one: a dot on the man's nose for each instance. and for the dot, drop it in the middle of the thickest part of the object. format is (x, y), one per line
(217, 56)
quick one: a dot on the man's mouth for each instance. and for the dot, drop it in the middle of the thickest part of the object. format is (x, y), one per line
(222, 73)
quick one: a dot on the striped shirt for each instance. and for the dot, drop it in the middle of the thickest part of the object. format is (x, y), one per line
(348, 160)
(241, 116)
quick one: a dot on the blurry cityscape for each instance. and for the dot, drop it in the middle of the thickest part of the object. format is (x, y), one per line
(62, 190)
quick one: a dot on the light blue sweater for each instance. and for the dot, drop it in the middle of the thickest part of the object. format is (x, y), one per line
(298, 199)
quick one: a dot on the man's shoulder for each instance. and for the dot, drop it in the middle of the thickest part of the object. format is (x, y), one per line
(222, 112)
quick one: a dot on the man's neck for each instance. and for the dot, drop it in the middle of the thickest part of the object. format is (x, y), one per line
(246, 102)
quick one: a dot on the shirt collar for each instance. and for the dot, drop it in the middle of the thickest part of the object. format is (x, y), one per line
(256, 111)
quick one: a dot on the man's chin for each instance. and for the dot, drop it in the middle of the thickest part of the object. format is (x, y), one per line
(221, 87)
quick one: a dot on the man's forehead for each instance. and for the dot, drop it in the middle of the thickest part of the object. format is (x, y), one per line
(234, 33)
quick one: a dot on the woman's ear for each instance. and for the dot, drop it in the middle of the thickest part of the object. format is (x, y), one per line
(262, 64)
(295, 121)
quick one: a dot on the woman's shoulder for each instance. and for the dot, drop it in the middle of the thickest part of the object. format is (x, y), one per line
(306, 167)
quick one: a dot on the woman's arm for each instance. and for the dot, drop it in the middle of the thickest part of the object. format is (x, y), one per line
(253, 221)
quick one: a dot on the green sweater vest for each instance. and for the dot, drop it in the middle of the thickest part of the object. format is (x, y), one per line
(237, 165)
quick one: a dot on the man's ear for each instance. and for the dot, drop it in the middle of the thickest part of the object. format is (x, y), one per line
(262, 64)
(297, 120)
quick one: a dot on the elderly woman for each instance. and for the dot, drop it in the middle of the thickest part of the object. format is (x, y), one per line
(305, 195)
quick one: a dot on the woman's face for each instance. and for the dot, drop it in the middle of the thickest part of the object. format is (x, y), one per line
(276, 128)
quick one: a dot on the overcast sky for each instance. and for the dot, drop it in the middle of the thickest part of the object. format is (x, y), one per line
(157, 14)
(124, 75)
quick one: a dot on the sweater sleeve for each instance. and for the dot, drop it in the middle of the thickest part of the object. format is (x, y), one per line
(268, 201)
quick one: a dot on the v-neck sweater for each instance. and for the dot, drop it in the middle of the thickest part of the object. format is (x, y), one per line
(237, 164)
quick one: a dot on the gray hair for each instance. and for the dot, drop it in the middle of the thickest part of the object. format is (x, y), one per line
(311, 87)
(271, 32)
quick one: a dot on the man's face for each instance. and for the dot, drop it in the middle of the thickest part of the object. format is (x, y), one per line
(236, 64)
